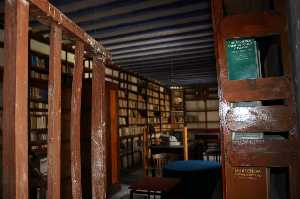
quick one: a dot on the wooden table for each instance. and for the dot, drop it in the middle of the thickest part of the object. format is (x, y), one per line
(154, 186)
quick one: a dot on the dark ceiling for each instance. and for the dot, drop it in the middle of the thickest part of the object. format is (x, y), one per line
(167, 40)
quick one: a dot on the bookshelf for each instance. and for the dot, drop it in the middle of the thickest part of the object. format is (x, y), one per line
(38, 117)
(177, 113)
(141, 102)
(201, 107)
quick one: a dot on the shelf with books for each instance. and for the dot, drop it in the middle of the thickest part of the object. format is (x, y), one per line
(177, 108)
(201, 107)
(38, 101)
(139, 106)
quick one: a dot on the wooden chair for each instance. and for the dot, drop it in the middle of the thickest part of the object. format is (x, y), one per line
(159, 161)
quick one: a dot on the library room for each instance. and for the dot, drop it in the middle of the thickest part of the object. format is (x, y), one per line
(135, 99)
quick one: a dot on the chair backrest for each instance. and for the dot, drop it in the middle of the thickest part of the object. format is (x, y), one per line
(159, 160)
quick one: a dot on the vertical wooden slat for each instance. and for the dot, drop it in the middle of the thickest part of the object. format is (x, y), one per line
(185, 144)
(145, 151)
(114, 147)
(15, 96)
(75, 122)
(54, 113)
(98, 139)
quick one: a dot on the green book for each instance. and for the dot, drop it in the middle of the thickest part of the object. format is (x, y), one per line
(242, 59)
(243, 62)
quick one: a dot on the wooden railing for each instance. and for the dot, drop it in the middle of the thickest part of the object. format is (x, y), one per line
(15, 101)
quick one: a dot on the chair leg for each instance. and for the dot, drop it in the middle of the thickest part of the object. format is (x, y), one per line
(131, 194)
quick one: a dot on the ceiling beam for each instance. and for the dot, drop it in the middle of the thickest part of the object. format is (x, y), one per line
(99, 12)
(170, 60)
(190, 68)
(166, 45)
(103, 23)
(164, 33)
(170, 63)
(173, 65)
(158, 24)
(159, 40)
(207, 47)
(83, 4)
(200, 53)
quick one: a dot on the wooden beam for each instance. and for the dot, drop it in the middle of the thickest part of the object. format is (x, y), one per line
(198, 53)
(260, 24)
(181, 59)
(159, 40)
(140, 17)
(205, 48)
(277, 118)
(83, 4)
(145, 151)
(155, 25)
(75, 122)
(98, 138)
(185, 143)
(15, 101)
(46, 9)
(162, 46)
(54, 112)
(257, 89)
(156, 34)
(99, 12)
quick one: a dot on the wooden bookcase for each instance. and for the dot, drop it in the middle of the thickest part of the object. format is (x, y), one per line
(260, 139)
(141, 102)
(201, 107)
(38, 120)
(177, 114)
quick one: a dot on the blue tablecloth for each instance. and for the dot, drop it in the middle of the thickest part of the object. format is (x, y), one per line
(199, 178)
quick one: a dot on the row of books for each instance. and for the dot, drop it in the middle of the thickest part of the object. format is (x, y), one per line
(38, 121)
(133, 88)
(132, 96)
(38, 93)
(122, 112)
(153, 100)
(38, 62)
(38, 136)
(166, 126)
(153, 120)
(37, 75)
(152, 93)
(38, 105)
(153, 107)
(136, 121)
(121, 94)
(67, 69)
(132, 130)
(132, 104)
(122, 103)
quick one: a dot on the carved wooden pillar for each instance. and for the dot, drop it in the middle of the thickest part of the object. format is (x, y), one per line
(15, 97)
(75, 122)
(54, 113)
(98, 138)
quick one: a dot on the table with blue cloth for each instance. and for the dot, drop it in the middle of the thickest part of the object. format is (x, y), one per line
(200, 179)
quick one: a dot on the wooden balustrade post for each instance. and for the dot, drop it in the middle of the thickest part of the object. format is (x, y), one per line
(75, 122)
(185, 143)
(54, 113)
(145, 151)
(98, 138)
(15, 97)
